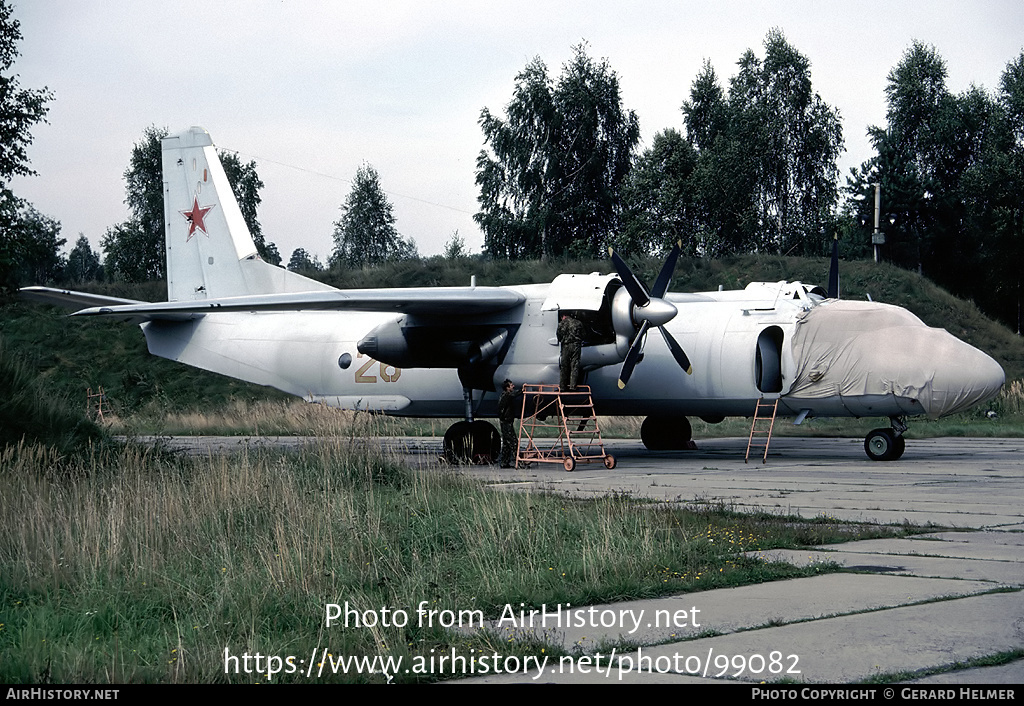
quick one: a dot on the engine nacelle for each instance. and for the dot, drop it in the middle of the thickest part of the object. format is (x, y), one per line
(605, 309)
(404, 343)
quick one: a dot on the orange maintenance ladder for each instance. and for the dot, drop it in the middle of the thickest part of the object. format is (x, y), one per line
(560, 427)
(762, 425)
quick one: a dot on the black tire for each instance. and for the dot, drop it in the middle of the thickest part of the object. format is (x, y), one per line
(486, 442)
(458, 443)
(472, 442)
(883, 445)
(901, 446)
(666, 433)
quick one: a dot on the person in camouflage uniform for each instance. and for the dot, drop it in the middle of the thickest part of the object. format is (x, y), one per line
(508, 410)
(570, 335)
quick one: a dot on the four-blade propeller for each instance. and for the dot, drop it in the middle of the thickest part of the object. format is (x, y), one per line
(649, 308)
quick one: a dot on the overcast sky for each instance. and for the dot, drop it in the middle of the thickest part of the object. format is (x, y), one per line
(311, 90)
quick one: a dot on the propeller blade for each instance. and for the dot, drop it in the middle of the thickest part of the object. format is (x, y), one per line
(633, 355)
(635, 287)
(833, 270)
(677, 351)
(665, 276)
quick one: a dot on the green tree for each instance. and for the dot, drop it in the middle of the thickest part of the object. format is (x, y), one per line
(144, 193)
(83, 263)
(366, 233)
(993, 189)
(658, 207)
(20, 108)
(31, 245)
(706, 114)
(766, 177)
(720, 184)
(515, 178)
(550, 179)
(455, 248)
(906, 159)
(21, 256)
(951, 169)
(134, 250)
(302, 261)
(129, 254)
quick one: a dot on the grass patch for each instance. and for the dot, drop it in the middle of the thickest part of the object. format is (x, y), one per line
(32, 414)
(132, 566)
(995, 660)
(294, 417)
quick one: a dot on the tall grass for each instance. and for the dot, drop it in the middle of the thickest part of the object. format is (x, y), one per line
(295, 417)
(298, 418)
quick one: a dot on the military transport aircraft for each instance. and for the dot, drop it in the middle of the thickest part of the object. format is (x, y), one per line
(444, 351)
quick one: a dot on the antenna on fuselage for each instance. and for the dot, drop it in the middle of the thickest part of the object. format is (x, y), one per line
(833, 270)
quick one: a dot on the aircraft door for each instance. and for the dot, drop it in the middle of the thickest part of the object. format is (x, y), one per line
(768, 360)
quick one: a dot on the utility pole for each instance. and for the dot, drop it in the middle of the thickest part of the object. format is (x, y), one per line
(877, 238)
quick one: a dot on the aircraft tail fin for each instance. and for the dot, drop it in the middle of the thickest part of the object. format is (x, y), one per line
(210, 252)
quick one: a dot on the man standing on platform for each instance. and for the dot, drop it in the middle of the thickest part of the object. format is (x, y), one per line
(570, 335)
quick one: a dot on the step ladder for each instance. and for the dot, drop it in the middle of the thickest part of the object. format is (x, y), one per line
(560, 427)
(762, 425)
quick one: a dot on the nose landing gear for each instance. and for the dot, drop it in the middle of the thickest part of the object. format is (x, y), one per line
(886, 444)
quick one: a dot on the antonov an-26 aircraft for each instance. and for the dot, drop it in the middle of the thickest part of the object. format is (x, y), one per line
(444, 351)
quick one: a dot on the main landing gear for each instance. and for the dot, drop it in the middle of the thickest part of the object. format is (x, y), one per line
(666, 433)
(886, 444)
(472, 442)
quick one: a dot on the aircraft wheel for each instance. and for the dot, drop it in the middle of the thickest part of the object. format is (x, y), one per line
(609, 462)
(666, 433)
(569, 463)
(458, 443)
(486, 442)
(883, 445)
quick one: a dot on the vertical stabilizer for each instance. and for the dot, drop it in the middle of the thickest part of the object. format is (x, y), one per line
(210, 252)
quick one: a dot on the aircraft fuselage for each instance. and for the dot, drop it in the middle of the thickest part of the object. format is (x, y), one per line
(743, 344)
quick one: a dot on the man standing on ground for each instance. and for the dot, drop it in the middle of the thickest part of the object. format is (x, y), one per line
(508, 410)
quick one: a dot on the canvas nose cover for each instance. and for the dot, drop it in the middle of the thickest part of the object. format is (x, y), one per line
(862, 348)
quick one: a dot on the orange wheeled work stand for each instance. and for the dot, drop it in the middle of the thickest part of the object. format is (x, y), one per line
(560, 427)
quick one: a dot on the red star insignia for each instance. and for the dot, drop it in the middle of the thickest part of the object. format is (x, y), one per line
(195, 217)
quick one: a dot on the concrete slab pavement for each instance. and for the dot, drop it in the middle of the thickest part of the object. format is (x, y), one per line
(924, 608)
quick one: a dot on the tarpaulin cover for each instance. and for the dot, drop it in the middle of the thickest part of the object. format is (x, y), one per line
(852, 348)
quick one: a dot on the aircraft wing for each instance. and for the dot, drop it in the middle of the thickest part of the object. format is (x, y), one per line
(428, 301)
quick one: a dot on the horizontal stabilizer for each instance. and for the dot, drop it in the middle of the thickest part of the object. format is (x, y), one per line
(69, 299)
